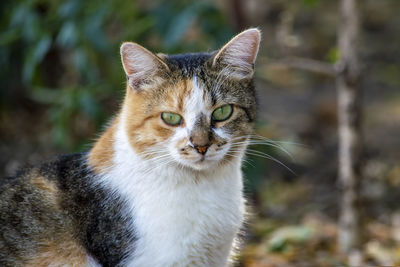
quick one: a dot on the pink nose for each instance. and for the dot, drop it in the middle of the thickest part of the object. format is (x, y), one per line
(202, 149)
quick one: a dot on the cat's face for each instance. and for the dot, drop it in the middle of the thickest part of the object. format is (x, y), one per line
(194, 110)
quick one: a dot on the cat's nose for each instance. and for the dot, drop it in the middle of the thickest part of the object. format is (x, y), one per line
(202, 149)
(200, 140)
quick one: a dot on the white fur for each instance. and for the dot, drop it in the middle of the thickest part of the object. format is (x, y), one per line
(195, 104)
(91, 262)
(182, 217)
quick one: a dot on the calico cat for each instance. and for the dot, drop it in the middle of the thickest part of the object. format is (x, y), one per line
(161, 187)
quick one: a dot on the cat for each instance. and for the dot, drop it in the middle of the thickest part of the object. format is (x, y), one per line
(162, 186)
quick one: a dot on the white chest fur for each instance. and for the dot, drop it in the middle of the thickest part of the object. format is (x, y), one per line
(188, 224)
(181, 217)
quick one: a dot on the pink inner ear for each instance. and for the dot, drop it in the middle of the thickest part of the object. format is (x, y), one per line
(137, 61)
(241, 52)
(244, 47)
(140, 65)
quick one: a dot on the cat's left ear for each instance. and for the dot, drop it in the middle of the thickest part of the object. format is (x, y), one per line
(141, 66)
(238, 56)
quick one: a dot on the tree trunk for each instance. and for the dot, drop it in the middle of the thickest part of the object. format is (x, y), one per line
(350, 136)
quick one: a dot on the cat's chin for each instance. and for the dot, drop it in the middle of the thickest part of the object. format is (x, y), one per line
(199, 165)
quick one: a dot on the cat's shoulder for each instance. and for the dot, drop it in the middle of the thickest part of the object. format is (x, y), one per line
(54, 171)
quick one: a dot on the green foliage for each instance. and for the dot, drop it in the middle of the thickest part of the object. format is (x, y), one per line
(282, 238)
(310, 3)
(65, 54)
(175, 18)
(333, 55)
(390, 75)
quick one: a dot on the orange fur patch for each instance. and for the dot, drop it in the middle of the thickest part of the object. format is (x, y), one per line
(44, 185)
(100, 157)
(47, 187)
(66, 252)
(143, 113)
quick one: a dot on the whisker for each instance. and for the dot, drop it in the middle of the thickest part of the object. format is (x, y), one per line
(160, 157)
(272, 142)
(246, 161)
(159, 164)
(255, 139)
(266, 143)
(276, 141)
(260, 154)
(267, 156)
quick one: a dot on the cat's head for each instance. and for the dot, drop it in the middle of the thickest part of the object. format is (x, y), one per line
(195, 110)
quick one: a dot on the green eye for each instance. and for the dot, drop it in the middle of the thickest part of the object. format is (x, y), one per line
(222, 113)
(171, 118)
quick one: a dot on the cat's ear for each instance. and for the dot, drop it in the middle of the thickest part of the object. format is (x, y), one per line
(141, 66)
(238, 56)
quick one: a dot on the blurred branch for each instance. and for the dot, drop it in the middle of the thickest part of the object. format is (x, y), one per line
(285, 35)
(309, 65)
(350, 134)
(237, 14)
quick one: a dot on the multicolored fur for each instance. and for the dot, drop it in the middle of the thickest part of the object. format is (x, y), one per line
(149, 193)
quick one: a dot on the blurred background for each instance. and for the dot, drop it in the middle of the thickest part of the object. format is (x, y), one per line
(61, 80)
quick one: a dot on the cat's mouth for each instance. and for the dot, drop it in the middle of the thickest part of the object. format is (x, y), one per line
(203, 159)
(200, 160)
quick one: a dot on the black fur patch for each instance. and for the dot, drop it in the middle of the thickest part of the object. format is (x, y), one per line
(96, 218)
(189, 64)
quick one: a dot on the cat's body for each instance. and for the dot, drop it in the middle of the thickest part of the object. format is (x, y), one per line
(161, 187)
(54, 214)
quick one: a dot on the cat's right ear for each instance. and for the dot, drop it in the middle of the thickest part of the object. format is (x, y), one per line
(141, 66)
(238, 56)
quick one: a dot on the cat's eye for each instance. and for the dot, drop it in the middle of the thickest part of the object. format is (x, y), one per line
(171, 118)
(222, 113)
